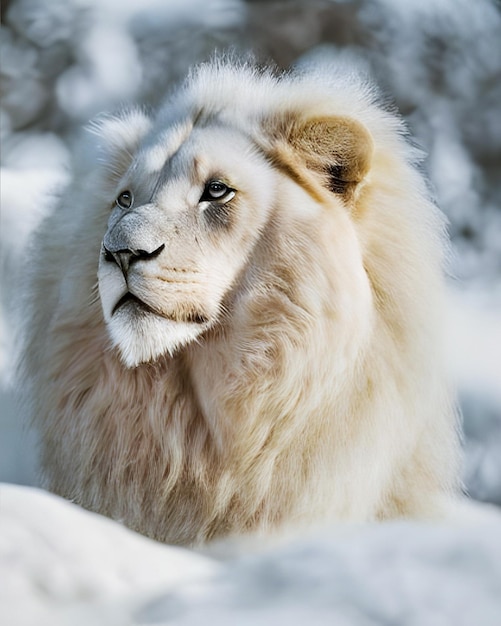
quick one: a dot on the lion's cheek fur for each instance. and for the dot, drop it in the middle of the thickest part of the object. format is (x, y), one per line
(273, 387)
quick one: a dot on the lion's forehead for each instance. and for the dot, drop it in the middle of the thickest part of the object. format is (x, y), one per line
(185, 141)
(161, 143)
(188, 156)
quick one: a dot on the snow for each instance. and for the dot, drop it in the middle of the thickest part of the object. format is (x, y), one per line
(65, 61)
(64, 566)
(63, 558)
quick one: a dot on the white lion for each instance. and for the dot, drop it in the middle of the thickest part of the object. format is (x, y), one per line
(262, 348)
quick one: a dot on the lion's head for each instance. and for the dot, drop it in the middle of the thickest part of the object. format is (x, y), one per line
(195, 194)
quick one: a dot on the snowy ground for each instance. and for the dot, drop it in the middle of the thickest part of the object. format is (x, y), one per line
(62, 566)
(63, 61)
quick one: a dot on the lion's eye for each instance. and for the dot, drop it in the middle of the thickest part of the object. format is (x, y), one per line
(125, 200)
(216, 190)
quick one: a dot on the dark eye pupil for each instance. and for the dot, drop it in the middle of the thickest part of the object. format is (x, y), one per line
(124, 200)
(217, 192)
(217, 189)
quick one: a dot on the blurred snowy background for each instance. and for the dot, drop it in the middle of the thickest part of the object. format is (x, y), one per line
(64, 61)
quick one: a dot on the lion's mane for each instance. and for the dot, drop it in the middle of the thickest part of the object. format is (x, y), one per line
(319, 391)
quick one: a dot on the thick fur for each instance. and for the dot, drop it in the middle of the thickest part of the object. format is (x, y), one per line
(287, 368)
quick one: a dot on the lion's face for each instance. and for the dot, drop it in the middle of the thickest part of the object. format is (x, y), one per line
(187, 213)
(190, 198)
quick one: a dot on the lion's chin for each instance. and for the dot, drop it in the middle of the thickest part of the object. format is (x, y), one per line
(143, 338)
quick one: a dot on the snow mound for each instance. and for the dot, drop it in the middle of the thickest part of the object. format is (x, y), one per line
(57, 561)
(64, 566)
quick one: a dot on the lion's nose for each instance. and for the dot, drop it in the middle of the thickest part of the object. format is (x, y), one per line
(124, 257)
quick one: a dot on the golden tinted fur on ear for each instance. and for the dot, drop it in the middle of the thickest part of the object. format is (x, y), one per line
(339, 149)
(307, 384)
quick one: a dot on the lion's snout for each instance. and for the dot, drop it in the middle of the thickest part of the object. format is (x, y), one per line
(124, 257)
(133, 236)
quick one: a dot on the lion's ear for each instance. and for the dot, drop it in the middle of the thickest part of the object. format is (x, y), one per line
(338, 149)
(119, 137)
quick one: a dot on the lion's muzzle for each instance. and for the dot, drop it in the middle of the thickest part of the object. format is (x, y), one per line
(125, 257)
